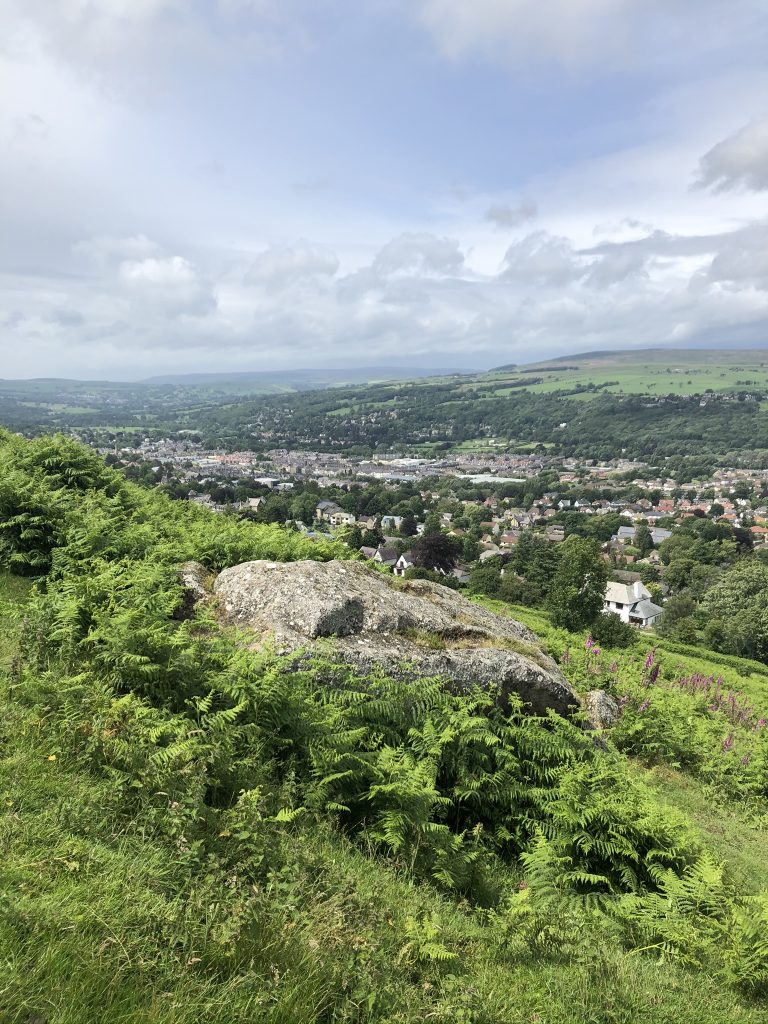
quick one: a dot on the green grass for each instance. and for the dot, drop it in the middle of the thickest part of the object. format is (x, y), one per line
(107, 918)
(658, 372)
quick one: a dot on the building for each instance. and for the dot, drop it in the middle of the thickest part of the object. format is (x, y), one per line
(631, 602)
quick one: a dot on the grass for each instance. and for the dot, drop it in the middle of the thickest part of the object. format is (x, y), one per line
(105, 918)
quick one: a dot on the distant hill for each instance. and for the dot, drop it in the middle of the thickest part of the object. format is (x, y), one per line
(301, 379)
(647, 371)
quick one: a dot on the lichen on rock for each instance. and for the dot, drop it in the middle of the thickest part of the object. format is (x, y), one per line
(413, 630)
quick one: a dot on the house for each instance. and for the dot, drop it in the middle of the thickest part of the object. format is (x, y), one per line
(631, 602)
(326, 509)
(555, 534)
(341, 518)
(403, 564)
(385, 556)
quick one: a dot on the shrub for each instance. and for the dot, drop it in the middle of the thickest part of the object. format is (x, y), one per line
(610, 631)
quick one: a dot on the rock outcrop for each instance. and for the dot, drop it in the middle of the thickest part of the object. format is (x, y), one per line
(410, 629)
(601, 709)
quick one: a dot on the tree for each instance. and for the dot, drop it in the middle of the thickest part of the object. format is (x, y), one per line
(372, 538)
(609, 630)
(736, 607)
(470, 549)
(484, 579)
(435, 551)
(578, 589)
(643, 539)
(408, 526)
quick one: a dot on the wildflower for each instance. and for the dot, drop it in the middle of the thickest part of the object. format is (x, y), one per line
(760, 723)
(614, 668)
(589, 643)
(746, 759)
(654, 674)
(650, 658)
(566, 656)
(728, 743)
(644, 707)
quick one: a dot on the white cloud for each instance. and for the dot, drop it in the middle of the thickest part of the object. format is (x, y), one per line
(102, 249)
(419, 253)
(168, 283)
(544, 260)
(741, 160)
(280, 266)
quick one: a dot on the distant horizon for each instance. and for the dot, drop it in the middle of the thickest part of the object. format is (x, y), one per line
(379, 370)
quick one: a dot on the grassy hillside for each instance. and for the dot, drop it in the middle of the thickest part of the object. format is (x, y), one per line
(649, 371)
(195, 832)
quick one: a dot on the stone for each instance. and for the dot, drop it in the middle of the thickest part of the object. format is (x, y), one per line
(601, 709)
(192, 577)
(409, 629)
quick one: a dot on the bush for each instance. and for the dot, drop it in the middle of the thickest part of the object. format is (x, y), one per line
(609, 630)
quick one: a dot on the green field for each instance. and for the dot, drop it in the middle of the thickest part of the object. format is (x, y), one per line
(648, 371)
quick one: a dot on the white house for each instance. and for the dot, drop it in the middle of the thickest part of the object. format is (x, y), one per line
(631, 602)
(403, 564)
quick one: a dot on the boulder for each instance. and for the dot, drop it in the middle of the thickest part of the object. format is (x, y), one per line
(601, 709)
(410, 629)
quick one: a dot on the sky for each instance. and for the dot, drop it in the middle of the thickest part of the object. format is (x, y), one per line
(221, 185)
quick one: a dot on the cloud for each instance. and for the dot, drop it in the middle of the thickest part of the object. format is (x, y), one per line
(30, 128)
(503, 216)
(740, 161)
(542, 259)
(170, 284)
(279, 266)
(742, 259)
(419, 253)
(103, 249)
(597, 33)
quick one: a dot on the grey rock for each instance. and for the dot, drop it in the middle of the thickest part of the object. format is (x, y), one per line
(601, 709)
(409, 629)
(193, 576)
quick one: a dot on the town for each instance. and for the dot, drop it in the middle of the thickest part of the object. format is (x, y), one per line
(485, 504)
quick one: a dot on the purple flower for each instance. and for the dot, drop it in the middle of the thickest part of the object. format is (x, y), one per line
(644, 707)
(589, 643)
(728, 743)
(760, 723)
(614, 667)
(654, 674)
(566, 656)
(649, 658)
(746, 759)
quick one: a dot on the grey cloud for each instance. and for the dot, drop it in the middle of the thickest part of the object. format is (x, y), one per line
(168, 311)
(504, 216)
(542, 259)
(419, 252)
(617, 266)
(740, 161)
(280, 266)
(742, 259)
